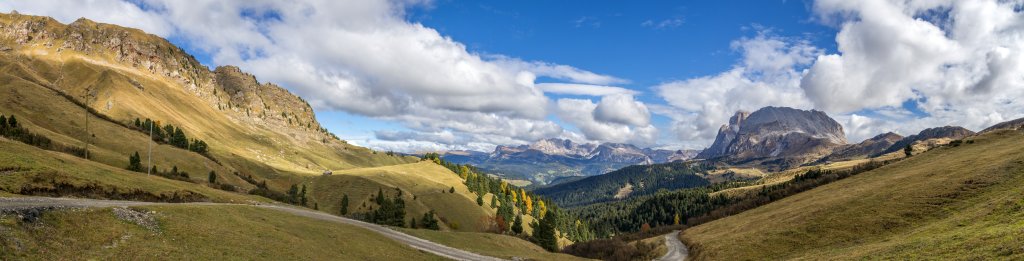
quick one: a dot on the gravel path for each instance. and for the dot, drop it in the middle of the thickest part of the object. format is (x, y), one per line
(676, 250)
(23, 203)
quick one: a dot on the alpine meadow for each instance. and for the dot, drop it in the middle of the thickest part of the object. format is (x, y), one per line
(511, 130)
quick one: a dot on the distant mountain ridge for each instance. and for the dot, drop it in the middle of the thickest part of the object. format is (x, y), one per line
(547, 159)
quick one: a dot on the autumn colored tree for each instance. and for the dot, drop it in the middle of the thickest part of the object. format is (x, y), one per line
(645, 228)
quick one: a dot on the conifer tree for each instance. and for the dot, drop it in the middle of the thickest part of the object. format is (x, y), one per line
(134, 162)
(344, 205)
(213, 177)
(517, 225)
(12, 122)
(479, 200)
(544, 233)
(303, 195)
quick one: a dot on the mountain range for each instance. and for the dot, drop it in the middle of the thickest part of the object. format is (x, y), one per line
(549, 160)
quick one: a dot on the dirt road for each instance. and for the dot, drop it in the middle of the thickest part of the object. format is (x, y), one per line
(676, 250)
(414, 242)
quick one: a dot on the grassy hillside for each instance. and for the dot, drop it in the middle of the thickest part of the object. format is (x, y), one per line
(29, 170)
(193, 232)
(500, 246)
(425, 187)
(962, 202)
(634, 180)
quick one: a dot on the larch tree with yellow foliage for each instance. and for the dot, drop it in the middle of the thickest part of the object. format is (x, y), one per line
(529, 204)
(541, 208)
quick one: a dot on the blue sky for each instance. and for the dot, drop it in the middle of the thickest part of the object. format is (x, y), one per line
(442, 75)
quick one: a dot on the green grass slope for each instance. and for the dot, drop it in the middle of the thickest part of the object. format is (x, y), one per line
(193, 233)
(963, 202)
(501, 246)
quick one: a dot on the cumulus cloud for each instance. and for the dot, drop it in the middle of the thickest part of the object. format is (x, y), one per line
(622, 109)
(631, 126)
(960, 60)
(766, 75)
(956, 62)
(361, 57)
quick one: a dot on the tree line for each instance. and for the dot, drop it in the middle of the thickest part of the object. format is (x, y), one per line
(12, 129)
(696, 206)
(645, 179)
(512, 203)
(169, 134)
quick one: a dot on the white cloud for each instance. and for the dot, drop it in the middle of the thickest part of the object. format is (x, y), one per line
(766, 76)
(667, 23)
(356, 56)
(960, 59)
(622, 109)
(614, 128)
(584, 89)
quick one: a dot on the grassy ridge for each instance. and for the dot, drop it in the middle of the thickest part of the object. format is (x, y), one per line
(194, 233)
(960, 202)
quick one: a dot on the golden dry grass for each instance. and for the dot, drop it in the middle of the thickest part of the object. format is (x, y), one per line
(195, 233)
(961, 202)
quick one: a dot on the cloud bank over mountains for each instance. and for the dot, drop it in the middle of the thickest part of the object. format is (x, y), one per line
(899, 66)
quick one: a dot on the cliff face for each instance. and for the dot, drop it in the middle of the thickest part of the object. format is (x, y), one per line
(777, 133)
(235, 93)
(726, 134)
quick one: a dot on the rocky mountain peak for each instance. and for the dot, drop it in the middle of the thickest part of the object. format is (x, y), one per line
(777, 133)
(563, 147)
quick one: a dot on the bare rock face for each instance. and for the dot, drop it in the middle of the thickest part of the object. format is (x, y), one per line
(777, 136)
(726, 134)
(864, 149)
(237, 94)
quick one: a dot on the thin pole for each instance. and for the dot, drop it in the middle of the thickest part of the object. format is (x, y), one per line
(88, 136)
(148, 172)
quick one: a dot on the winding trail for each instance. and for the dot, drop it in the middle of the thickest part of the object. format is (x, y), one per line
(17, 203)
(676, 250)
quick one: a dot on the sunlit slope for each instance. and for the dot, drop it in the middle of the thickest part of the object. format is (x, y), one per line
(425, 187)
(52, 72)
(29, 170)
(964, 202)
(194, 233)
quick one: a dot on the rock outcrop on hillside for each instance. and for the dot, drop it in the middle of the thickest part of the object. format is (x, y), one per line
(776, 136)
(947, 132)
(232, 91)
(865, 148)
(1006, 125)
